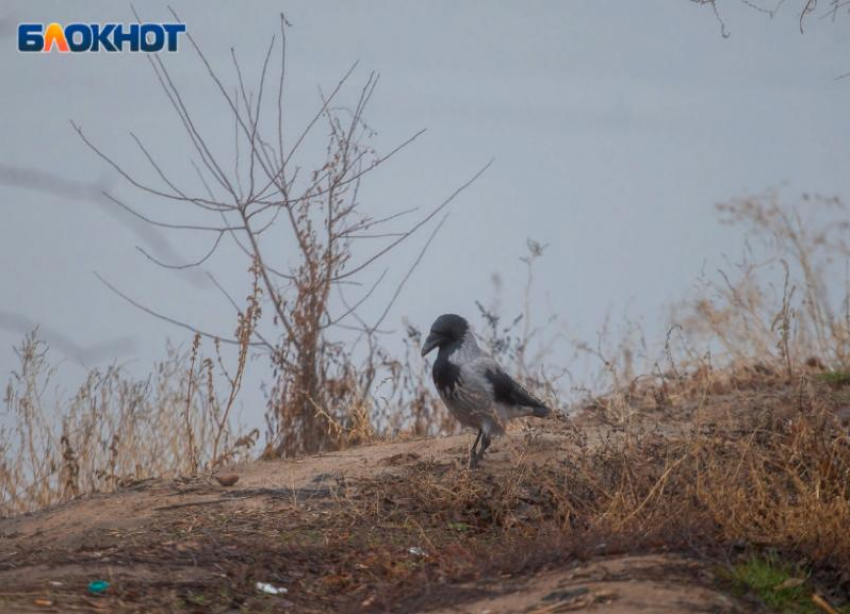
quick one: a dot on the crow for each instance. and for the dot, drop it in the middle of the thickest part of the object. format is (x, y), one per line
(476, 390)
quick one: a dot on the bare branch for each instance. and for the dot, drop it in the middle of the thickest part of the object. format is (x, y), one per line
(125, 174)
(417, 226)
(410, 271)
(153, 222)
(165, 318)
(188, 265)
(209, 205)
(358, 304)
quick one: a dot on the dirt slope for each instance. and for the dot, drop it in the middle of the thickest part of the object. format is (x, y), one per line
(319, 528)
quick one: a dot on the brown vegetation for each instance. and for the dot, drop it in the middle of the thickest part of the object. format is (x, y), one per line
(713, 467)
(732, 439)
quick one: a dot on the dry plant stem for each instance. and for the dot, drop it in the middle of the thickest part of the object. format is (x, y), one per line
(244, 332)
(190, 393)
(823, 604)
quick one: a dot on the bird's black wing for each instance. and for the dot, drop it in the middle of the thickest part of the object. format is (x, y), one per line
(508, 392)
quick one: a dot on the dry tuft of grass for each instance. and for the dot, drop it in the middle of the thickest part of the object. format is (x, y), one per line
(114, 431)
(763, 469)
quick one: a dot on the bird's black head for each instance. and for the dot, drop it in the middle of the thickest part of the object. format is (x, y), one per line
(447, 329)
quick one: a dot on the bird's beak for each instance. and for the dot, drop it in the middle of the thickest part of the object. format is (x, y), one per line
(431, 342)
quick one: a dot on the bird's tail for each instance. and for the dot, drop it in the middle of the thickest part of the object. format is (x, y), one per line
(541, 412)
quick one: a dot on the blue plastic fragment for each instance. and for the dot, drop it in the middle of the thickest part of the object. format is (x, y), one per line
(98, 586)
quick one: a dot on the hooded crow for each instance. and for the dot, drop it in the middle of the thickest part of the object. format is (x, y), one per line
(477, 391)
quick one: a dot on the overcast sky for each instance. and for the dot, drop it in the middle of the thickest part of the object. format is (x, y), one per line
(615, 127)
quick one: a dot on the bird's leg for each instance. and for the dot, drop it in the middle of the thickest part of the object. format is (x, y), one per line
(477, 455)
(485, 443)
(473, 453)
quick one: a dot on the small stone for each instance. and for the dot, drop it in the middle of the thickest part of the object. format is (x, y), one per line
(227, 479)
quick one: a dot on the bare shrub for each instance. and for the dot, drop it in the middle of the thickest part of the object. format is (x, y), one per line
(266, 197)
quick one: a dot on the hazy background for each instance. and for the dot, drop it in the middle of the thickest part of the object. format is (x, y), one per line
(615, 127)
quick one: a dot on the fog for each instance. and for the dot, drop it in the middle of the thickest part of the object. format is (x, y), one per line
(613, 128)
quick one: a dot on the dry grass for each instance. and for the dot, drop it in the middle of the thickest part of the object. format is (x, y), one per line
(764, 467)
(114, 430)
(733, 438)
(757, 460)
(738, 444)
(786, 301)
(117, 430)
(759, 466)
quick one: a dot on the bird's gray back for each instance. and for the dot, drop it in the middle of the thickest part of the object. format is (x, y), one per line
(478, 392)
(472, 401)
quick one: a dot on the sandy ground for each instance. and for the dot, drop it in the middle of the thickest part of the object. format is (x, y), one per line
(48, 558)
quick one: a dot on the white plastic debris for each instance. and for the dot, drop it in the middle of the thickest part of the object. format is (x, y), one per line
(416, 551)
(271, 589)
